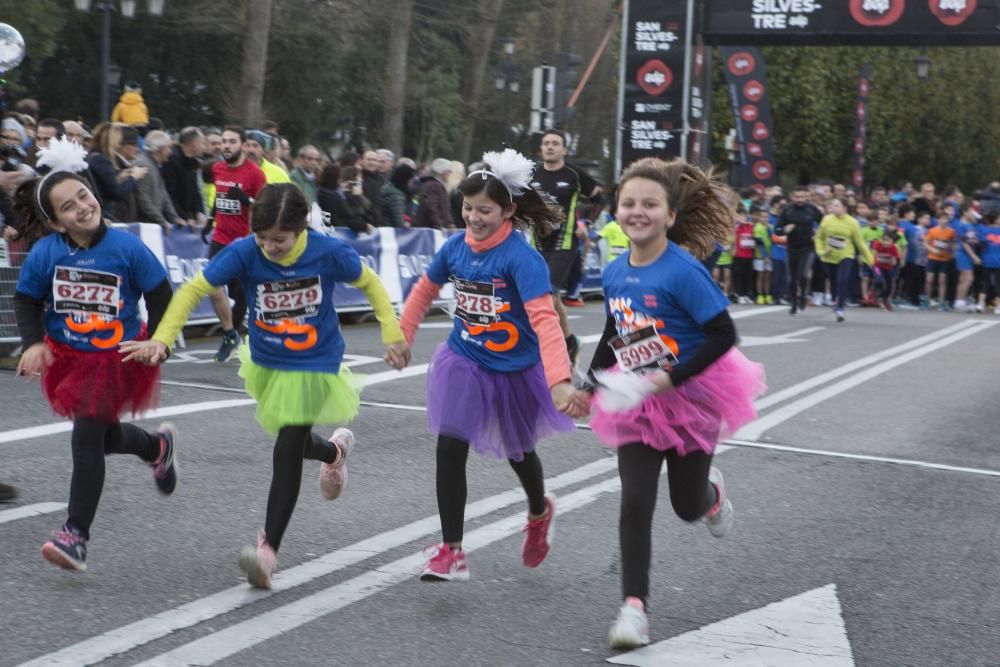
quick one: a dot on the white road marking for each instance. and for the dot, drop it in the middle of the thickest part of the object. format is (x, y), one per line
(755, 429)
(864, 362)
(241, 636)
(133, 635)
(37, 509)
(806, 630)
(780, 339)
(863, 457)
(191, 408)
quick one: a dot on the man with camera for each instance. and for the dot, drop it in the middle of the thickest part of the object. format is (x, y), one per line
(13, 171)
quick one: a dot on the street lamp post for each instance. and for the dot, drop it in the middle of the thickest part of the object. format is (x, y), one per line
(508, 79)
(107, 7)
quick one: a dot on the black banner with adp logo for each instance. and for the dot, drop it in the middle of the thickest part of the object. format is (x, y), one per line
(653, 82)
(746, 82)
(861, 126)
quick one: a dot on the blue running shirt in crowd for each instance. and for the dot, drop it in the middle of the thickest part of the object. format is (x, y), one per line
(675, 293)
(491, 288)
(910, 231)
(92, 294)
(294, 325)
(990, 252)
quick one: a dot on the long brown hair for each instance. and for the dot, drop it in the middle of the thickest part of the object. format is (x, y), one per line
(702, 203)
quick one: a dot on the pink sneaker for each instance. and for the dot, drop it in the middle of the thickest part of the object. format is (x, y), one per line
(446, 564)
(538, 535)
(260, 564)
(333, 476)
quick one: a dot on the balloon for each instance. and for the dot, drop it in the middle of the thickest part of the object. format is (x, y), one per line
(11, 47)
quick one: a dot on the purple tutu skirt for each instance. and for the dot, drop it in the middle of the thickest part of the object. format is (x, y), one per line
(707, 408)
(501, 415)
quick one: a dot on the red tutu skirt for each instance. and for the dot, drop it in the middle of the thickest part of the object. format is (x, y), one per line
(708, 408)
(98, 384)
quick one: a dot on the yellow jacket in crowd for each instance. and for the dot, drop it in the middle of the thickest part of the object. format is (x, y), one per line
(131, 110)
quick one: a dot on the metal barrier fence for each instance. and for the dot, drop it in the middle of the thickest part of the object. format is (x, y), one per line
(399, 256)
(12, 255)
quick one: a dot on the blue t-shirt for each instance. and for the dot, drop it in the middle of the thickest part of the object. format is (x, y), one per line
(92, 294)
(910, 232)
(294, 325)
(969, 233)
(779, 251)
(491, 288)
(675, 293)
(990, 252)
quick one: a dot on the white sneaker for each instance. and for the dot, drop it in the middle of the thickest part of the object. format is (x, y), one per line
(996, 310)
(631, 628)
(333, 476)
(979, 307)
(720, 518)
(959, 304)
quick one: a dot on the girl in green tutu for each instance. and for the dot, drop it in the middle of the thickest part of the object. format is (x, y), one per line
(292, 364)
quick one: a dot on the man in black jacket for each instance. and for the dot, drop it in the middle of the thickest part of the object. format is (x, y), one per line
(798, 221)
(181, 174)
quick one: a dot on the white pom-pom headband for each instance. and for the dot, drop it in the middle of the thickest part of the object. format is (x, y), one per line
(61, 154)
(510, 168)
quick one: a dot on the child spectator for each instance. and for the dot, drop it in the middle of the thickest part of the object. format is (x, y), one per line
(762, 254)
(940, 245)
(886, 260)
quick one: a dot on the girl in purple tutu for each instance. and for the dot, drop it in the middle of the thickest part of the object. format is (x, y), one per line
(677, 385)
(502, 380)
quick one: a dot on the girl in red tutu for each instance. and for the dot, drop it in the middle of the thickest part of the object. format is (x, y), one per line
(678, 385)
(502, 380)
(77, 299)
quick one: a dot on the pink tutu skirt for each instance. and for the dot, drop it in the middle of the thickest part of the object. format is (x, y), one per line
(707, 408)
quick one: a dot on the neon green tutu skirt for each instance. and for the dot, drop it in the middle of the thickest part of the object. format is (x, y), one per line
(300, 398)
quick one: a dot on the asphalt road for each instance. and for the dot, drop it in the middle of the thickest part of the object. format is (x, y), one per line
(866, 499)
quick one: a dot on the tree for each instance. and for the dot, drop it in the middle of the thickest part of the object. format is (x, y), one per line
(395, 75)
(250, 96)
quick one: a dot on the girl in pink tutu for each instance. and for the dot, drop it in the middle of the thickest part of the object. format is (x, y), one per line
(677, 385)
(502, 380)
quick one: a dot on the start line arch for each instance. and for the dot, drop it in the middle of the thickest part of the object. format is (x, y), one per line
(665, 77)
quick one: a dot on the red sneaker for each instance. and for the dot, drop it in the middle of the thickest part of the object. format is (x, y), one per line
(574, 303)
(446, 564)
(538, 535)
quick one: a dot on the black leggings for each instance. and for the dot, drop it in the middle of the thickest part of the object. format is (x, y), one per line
(452, 455)
(294, 444)
(235, 289)
(92, 439)
(743, 276)
(691, 495)
(800, 262)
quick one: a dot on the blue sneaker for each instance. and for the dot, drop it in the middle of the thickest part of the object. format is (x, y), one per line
(165, 467)
(67, 549)
(230, 343)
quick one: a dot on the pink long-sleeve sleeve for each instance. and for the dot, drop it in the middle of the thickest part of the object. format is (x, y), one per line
(555, 356)
(418, 302)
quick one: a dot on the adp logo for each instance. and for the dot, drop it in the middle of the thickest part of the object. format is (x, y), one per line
(754, 149)
(753, 90)
(760, 131)
(762, 170)
(749, 113)
(952, 12)
(877, 13)
(741, 63)
(654, 77)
